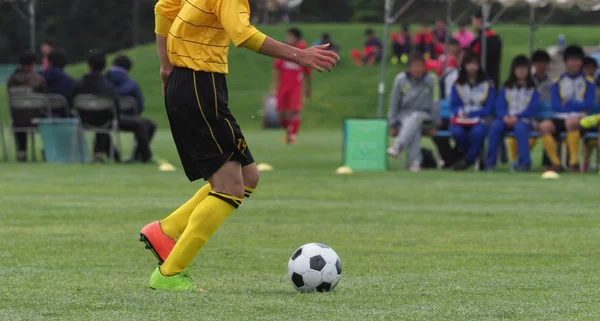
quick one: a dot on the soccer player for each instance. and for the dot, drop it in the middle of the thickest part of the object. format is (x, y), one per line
(517, 103)
(572, 95)
(193, 39)
(288, 79)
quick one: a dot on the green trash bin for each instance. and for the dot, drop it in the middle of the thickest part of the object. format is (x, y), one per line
(64, 140)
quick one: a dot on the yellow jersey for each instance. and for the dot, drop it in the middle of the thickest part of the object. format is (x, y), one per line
(199, 32)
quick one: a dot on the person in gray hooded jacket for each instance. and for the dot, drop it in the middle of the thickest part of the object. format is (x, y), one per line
(414, 106)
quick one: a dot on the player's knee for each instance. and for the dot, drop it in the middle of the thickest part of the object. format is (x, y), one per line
(251, 176)
(521, 127)
(546, 128)
(572, 124)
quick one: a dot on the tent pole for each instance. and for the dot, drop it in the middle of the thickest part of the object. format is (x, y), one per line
(32, 40)
(531, 29)
(449, 26)
(486, 7)
(384, 57)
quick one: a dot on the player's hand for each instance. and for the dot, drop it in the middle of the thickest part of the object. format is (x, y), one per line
(318, 58)
(394, 132)
(461, 114)
(431, 132)
(165, 72)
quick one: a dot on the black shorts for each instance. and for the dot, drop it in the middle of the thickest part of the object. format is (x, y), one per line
(205, 132)
(560, 126)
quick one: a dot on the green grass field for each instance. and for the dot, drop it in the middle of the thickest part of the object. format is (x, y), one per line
(428, 246)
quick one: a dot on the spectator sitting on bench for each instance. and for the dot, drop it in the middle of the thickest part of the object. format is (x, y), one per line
(25, 78)
(424, 41)
(540, 60)
(572, 96)
(401, 45)
(590, 67)
(371, 52)
(516, 106)
(413, 101)
(472, 101)
(541, 63)
(94, 83)
(118, 75)
(57, 81)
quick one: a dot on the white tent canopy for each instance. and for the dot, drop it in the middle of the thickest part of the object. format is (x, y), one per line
(391, 17)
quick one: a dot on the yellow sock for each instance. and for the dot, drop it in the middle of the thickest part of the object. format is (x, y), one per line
(248, 191)
(512, 148)
(573, 145)
(532, 142)
(175, 223)
(204, 221)
(550, 147)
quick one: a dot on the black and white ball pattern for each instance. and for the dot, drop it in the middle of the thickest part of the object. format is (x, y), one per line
(314, 266)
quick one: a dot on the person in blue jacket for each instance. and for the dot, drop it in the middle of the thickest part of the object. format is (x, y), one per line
(516, 106)
(472, 101)
(118, 75)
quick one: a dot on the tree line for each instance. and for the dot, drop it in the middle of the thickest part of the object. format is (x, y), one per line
(78, 26)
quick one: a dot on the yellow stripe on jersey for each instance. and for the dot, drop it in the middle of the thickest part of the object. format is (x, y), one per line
(202, 31)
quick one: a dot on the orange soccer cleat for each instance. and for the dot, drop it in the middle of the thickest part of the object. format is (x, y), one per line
(157, 241)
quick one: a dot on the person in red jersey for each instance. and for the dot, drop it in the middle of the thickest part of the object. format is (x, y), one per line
(288, 83)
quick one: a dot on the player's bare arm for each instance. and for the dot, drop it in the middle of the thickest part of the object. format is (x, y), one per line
(318, 57)
(275, 81)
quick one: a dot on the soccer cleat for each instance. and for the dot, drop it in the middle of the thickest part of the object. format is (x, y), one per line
(589, 121)
(393, 152)
(157, 241)
(575, 169)
(177, 282)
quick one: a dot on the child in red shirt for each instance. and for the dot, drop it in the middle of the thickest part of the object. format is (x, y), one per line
(288, 83)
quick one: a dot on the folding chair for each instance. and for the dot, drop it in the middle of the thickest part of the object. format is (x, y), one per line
(59, 106)
(25, 109)
(99, 115)
(17, 90)
(128, 106)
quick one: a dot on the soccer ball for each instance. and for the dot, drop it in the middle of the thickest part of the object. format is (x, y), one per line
(314, 266)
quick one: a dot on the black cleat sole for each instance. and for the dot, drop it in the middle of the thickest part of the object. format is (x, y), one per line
(149, 246)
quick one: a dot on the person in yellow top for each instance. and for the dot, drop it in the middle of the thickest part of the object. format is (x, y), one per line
(193, 38)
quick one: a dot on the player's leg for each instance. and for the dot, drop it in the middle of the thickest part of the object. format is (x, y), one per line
(547, 129)
(411, 124)
(294, 111)
(218, 152)
(476, 139)
(226, 195)
(512, 148)
(413, 149)
(521, 131)
(496, 134)
(573, 138)
(460, 136)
